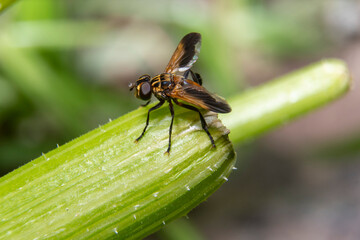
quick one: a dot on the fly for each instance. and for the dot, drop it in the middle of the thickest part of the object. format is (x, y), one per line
(174, 85)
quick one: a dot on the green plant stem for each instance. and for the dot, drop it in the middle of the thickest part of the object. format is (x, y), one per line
(275, 103)
(102, 185)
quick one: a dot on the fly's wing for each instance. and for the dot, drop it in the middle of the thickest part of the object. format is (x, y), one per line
(185, 54)
(195, 94)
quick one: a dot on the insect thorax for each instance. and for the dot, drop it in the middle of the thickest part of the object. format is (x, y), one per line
(162, 83)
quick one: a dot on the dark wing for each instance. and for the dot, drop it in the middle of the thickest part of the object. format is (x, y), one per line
(195, 94)
(185, 54)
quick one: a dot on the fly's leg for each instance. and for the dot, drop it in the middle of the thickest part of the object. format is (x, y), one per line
(171, 125)
(202, 120)
(148, 116)
(195, 76)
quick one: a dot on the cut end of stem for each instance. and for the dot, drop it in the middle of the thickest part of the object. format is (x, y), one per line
(104, 181)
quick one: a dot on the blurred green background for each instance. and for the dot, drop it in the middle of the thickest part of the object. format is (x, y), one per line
(65, 66)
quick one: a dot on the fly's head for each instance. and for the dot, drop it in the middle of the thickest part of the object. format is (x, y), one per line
(142, 87)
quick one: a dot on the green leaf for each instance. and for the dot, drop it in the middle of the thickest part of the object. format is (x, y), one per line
(103, 185)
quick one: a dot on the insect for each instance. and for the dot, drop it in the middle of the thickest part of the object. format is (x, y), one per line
(174, 85)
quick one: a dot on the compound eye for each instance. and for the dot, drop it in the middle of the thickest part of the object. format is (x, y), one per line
(145, 91)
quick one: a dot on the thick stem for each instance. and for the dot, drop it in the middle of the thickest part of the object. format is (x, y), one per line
(278, 101)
